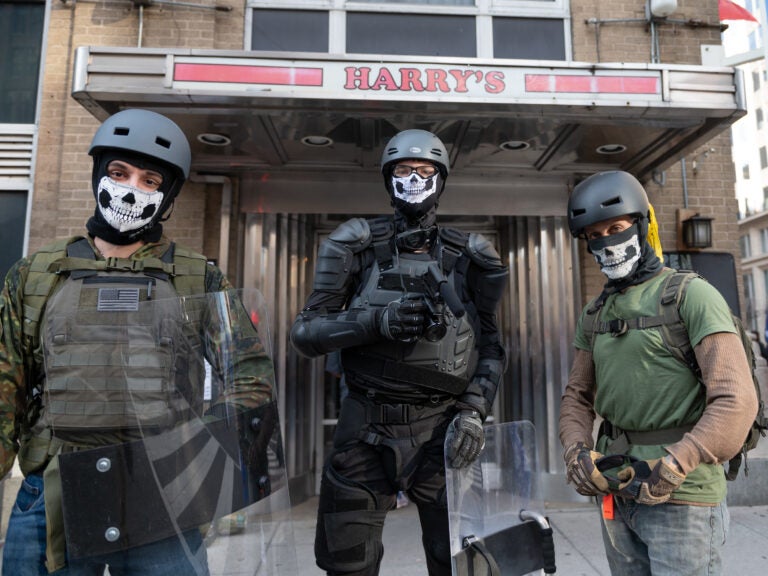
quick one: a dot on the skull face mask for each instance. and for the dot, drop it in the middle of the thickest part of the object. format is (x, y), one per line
(414, 195)
(124, 207)
(617, 255)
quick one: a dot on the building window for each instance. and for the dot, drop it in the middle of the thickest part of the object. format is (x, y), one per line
(763, 157)
(764, 240)
(417, 34)
(759, 118)
(765, 198)
(755, 81)
(528, 38)
(749, 297)
(745, 246)
(308, 30)
(21, 39)
(434, 2)
(519, 29)
(745, 171)
(13, 215)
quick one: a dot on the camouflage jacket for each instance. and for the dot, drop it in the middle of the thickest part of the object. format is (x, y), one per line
(252, 369)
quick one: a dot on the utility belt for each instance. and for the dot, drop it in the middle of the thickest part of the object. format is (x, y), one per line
(398, 413)
(621, 440)
(417, 376)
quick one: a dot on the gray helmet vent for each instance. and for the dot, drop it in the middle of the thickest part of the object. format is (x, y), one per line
(612, 202)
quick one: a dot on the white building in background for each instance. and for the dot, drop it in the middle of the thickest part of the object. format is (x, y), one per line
(745, 45)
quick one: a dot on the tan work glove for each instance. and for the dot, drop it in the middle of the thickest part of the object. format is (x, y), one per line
(582, 472)
(650, 482)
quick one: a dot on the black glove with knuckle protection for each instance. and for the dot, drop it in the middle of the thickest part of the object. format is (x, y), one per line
(465, 438)
(403, 320)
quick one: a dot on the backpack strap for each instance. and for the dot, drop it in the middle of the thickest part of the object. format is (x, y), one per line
(673, 329)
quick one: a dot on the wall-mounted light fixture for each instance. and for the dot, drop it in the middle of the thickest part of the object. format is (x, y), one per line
(662, 8)
(694, 231)
(697, 232)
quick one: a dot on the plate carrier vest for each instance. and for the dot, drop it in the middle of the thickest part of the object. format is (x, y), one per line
(111, 363)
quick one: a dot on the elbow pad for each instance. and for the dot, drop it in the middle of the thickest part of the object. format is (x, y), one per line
(482, 388)
(313, 335)
(491, 276)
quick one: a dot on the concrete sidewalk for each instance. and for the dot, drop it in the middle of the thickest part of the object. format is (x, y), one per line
(578, 545)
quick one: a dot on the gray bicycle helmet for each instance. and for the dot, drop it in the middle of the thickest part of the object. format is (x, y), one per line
(416, 144)
(603, 196)
(146, 133)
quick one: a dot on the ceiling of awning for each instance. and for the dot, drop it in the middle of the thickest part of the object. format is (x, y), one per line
(596, 119)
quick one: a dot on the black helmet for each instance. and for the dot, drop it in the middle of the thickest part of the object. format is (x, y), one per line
(603, 196)
(416, 144)
(145, 133)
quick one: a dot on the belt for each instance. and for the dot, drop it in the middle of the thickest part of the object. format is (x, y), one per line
(621, 439)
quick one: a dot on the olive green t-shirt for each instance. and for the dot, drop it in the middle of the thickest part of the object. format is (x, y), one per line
(641, 386)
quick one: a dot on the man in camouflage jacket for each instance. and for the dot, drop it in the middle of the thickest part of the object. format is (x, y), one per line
(141, 160)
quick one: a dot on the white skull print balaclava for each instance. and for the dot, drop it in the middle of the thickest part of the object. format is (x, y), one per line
(126, 208)
(125, 214)
(617, 255)
(413, 195)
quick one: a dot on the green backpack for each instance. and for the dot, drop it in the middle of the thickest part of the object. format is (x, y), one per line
(675, 336)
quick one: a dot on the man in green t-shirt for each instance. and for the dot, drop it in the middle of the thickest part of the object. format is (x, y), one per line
(663, 495)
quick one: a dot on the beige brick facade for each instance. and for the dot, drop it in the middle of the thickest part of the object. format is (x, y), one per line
(62, 191)
(63, 199)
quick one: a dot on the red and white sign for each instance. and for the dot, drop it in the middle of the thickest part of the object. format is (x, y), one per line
(346, 80)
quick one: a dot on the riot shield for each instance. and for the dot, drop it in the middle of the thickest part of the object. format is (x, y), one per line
(495, 508)
(166, 411)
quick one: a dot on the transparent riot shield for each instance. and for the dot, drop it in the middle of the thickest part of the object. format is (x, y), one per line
(166, 411)
(497, 525)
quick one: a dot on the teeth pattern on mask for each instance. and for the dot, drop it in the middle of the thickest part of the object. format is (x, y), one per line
(126, 208)
(413, 189)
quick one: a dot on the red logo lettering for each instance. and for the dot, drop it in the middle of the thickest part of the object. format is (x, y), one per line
(357, 78)
(494, 82)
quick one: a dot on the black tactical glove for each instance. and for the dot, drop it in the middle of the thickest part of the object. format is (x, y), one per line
(464, 439)
(650, 482)
(582, 472)
(403, 320)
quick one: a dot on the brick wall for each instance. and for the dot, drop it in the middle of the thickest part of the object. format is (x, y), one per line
(710, 188)
(63, 197)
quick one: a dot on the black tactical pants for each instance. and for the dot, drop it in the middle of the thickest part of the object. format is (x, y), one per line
(371, 462)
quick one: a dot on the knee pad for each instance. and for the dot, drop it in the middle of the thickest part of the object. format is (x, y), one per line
(349, 527)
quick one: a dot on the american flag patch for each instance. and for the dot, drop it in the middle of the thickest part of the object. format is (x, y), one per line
(118, 300)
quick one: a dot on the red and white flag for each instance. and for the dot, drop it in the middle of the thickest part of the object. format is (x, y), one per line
(732, 11)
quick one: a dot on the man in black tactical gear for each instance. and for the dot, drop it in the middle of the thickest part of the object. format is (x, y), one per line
(412, 308)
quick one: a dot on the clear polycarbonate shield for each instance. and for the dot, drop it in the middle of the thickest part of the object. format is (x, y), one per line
(496, 508)
(166, 411)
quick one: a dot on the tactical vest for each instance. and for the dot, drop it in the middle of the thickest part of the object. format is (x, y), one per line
(442, 363)
(118, 359)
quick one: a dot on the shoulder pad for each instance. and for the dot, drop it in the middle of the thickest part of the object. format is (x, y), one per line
(454, 237)
(482, 252)
(355, 234)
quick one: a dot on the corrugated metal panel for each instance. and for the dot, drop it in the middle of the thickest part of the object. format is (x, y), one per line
(539, 322)
(276, 252)
(16, 146)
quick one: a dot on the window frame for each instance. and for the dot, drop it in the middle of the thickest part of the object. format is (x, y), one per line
(483, 11)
